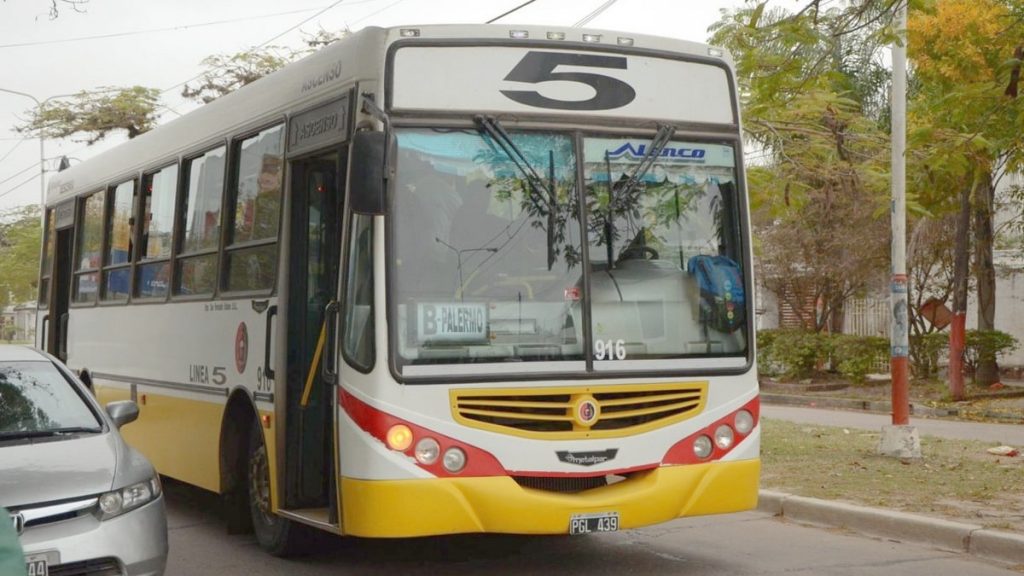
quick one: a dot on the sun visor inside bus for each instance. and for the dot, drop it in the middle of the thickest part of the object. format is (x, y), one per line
(367, 177)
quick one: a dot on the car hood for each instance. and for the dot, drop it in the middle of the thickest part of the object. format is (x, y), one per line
(57, 469)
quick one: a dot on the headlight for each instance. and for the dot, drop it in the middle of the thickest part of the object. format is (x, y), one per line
(744, 422)
(454, 460)
(702, 447)
(724, 437)
(117, 502)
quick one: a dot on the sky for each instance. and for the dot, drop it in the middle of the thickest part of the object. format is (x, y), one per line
(161, 43)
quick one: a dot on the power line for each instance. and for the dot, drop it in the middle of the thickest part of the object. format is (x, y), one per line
(371, 14)
(13, 148)
(16, 174)
(523, 5)
(34, 176)
(262, 44)
(597, 12)
(155, 30)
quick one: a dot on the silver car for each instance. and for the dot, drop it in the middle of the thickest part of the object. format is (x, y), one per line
(83, 501)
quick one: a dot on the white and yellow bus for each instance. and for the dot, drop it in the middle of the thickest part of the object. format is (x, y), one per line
(430, 280)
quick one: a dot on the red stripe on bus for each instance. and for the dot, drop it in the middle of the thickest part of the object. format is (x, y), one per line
(377, 423)
(682, 451)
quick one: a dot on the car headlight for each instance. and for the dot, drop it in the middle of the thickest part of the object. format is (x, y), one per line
(117, 502)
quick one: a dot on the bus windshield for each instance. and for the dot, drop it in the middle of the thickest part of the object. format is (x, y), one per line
(488, 251)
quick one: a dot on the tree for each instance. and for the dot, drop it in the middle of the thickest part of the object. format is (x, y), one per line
(813, 90)
(96, 114)
(20, 241)
(226, 73)
(967, 57)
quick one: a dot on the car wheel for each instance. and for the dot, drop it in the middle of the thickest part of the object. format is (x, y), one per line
(274, 534)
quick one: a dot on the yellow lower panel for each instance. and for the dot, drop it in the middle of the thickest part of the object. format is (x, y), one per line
(180, 436)
(403, 508)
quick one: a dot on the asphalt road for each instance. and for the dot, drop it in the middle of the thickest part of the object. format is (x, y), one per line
(750, 543)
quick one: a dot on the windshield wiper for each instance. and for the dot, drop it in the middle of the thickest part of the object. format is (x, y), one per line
(14, 435)
(493, 128)
(652, 153)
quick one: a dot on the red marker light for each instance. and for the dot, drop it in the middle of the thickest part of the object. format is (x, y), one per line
(573, 293)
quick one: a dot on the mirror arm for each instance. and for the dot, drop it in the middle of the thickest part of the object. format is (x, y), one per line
(369, 106)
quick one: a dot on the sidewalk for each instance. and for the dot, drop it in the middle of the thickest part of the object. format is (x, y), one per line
(943, 534)
(1011, 434)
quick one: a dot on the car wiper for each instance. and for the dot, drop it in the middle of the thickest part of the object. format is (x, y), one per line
(652, 153)
(493, 128)
(14, 435)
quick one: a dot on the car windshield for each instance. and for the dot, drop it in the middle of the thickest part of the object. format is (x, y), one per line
(36, 398)
(487, 254)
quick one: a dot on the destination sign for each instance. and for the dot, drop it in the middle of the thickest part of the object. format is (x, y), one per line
(319, 126)
(452, 323)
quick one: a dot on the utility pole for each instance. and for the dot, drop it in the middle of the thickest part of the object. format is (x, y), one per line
(900, 439)
(42, 153)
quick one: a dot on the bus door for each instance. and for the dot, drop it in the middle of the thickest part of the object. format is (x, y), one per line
(313, 284)
(60, 282)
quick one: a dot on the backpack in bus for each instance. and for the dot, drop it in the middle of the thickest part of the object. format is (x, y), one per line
(721, 291)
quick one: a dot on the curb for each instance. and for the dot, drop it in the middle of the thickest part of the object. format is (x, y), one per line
(899, 526)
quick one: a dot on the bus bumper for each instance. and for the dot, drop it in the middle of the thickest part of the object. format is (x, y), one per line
(404, 508)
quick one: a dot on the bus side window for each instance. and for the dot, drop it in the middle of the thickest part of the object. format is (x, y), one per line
(117, 259)
(89, 248)
(359, 326)
(159, 190)
(255, 213)
(199, 219)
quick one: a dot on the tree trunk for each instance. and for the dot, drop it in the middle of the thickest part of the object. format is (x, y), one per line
(960, 272)
(985, 275)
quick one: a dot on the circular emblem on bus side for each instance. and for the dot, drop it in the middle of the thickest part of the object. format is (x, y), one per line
(586, 411)
(241, 347)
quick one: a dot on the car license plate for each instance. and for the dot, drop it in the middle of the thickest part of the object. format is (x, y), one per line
(596, 522)
(37, 565)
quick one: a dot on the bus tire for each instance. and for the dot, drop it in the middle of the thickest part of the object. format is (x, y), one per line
(275, 534)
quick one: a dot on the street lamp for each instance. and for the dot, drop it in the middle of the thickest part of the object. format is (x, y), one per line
(42, 154)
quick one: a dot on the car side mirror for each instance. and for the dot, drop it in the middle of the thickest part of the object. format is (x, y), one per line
(123, 412)
(367, 180)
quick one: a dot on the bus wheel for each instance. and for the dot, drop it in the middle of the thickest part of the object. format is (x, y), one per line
(274, 534)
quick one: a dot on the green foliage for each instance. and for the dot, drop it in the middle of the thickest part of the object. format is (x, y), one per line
(792, 354)
(814, 92)
(925, 352)
(987, 345)
(798, 354)
(96, 114)
(20, 241)
(855, 357)
(226, 73)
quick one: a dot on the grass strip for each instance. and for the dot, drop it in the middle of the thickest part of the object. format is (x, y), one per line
(956, 479)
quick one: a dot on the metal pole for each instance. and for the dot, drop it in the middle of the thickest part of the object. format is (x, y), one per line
(898, 296)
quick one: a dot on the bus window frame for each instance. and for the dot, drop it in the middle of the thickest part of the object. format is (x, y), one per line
(578, 131)
(77, 272)
(230, 198)
(139, 261)
(108, 214)
(177, 253)
(46, 275)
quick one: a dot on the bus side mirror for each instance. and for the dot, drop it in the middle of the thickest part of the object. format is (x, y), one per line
(367, 177)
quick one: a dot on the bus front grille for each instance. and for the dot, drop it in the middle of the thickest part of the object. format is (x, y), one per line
(554, 413)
